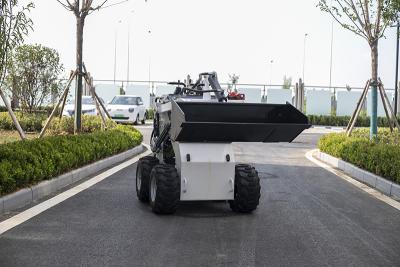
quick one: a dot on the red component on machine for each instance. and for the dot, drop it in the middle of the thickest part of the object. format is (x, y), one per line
(236, 96)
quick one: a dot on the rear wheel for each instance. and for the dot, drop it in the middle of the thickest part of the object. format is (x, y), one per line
(144, 118)
(164, 189)
(247, 189)
(136, 122)
(143, 170)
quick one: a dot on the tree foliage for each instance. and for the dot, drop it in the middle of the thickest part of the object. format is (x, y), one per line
(33, 75)
(81, 11)
(366, 18)
(14, 26)
(287, 82)
(233, 80)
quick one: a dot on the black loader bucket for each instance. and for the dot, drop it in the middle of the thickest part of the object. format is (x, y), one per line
(235, 122)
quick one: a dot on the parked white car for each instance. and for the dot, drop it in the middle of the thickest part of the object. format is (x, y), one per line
(88, 107)
(127, 109)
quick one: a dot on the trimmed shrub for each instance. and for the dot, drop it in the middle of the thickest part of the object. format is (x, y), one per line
(28, 162)
(342, 121)
(380, 156)
(150, 113)
(65, 125)
(28, 122)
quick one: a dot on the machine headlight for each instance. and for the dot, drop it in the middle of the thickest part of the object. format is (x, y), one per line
(131, 110)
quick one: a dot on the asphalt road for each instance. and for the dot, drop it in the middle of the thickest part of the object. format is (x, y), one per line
(307, 216)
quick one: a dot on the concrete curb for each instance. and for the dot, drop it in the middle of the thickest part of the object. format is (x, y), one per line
(337, 128)
(29, 195)
(381, 184)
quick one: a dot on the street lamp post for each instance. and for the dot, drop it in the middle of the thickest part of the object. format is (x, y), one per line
(115, 51)
(149, 32)
(127, 68)
(304, 54)
(331, 59)
(149, 40)
(396, 92)
(270, 71)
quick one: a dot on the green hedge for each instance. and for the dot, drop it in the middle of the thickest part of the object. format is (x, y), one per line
(28, 122)
(150, 113)
(380, 156)
(342, 121)
(65, 125)
(29, 162)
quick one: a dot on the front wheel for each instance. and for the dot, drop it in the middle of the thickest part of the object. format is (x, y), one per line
(136, 122)
(165, 186)
(247, 189)
(143, 170)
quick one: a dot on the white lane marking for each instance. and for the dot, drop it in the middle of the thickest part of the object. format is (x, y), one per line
(365, 188)
(36, 210)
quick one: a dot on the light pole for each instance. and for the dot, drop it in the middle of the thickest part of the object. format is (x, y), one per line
(304, 54)
(115, 51)
(149, 39)
(331, 60)
(127, 68)
(396, 92)
(270, 70)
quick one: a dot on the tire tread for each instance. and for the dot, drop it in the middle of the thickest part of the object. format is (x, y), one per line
(168, 189)
(147, 163)
(247, 189)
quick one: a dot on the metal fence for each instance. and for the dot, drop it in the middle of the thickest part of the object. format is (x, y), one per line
(319, 100)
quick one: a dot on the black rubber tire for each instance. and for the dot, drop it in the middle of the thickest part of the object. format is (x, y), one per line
(247, 189)
(167, 190)
(144, 118)
(144, 167)
(136, 122)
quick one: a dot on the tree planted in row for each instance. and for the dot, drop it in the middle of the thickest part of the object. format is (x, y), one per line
(33, 75)
(368, 19)
(14, 26)
(81, 9)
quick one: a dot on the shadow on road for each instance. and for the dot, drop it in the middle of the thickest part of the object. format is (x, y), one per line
(205, 209)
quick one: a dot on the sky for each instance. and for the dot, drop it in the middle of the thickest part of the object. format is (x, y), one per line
(170, 39)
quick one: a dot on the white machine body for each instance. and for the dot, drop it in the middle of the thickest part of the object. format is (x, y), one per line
(206, 170)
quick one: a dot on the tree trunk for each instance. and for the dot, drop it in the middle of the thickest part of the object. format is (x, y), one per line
(80, 21)
(12, 115)
(374, 58)
(374, 90)
(14, 99)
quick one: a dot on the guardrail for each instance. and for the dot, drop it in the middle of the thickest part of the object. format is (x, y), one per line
(337, 100)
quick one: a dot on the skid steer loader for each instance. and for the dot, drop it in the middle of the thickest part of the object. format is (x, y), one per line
(193, 158)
